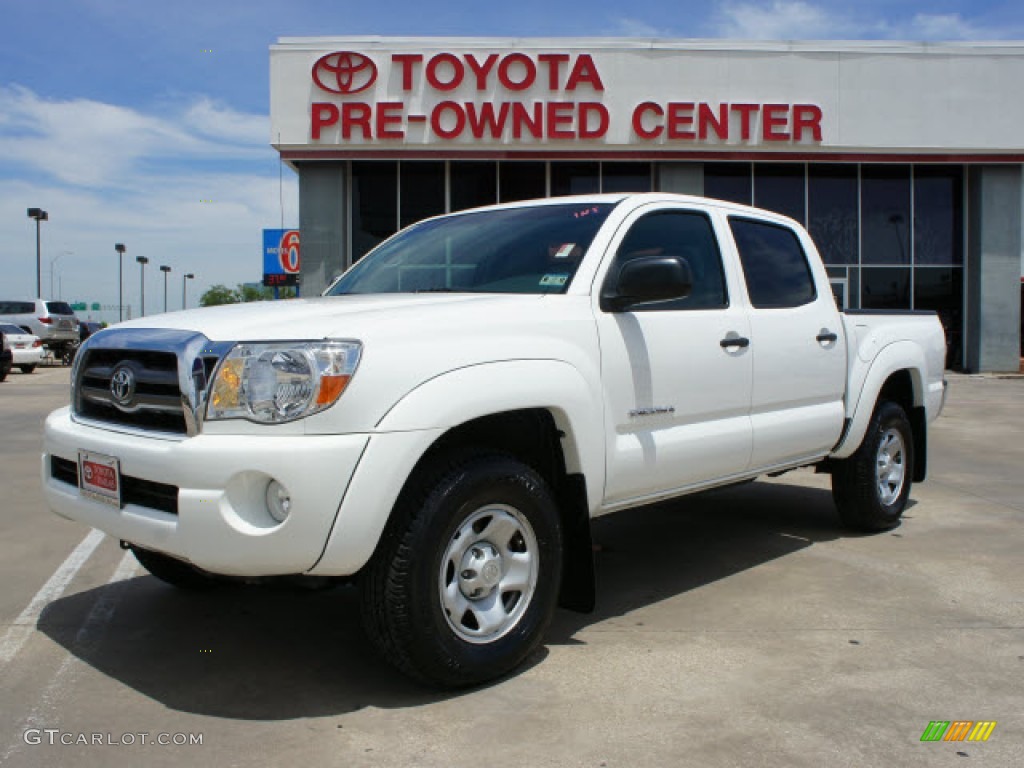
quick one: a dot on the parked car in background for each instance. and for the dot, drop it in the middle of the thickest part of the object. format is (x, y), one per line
(54, 322)
(87, 328)
(5, 359)
(26, 348)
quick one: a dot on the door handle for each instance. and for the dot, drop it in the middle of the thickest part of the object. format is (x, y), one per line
(827, 337)
(734, 341)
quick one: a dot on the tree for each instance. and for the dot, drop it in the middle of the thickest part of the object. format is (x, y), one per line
(218, 294)
(252, 292)
(245, 292)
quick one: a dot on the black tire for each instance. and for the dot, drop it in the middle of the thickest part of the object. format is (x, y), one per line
(27, 368)
(857, 487)
(175, 572)
(445, 515)
(3, 373)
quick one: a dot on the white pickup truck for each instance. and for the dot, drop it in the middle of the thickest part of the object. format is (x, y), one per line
(445, 421)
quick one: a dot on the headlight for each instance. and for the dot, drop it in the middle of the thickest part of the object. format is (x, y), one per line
(282, 381)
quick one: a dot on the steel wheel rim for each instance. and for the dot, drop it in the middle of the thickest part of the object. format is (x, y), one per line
(890, 466)
(488, 573)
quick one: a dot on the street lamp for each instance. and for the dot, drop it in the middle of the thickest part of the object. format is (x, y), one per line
(186, 276)
(54, 260)
(166, 270)
(119, 247)
(143, 261)
(39, 215)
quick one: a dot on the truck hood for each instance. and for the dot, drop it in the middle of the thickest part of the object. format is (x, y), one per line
(334, 316)
(408, 340)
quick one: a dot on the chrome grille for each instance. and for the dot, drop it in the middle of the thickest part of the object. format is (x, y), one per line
(152, 381)
(156, 403)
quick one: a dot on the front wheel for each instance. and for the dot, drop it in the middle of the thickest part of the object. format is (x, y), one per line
(465, 579)
(27, 368)
(871, 487)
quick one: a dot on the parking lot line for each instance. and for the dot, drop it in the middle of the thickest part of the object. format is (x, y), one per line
(88, 636)
(23, 627)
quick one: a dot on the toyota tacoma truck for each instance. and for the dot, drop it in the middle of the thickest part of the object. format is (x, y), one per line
(445, 421)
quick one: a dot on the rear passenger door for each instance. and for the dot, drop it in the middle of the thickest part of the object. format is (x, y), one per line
(797, 342)
(677, 400)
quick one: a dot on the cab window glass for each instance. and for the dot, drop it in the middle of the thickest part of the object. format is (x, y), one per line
(774, 264)
(678, 233)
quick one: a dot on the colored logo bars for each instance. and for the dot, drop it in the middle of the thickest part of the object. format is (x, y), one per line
(958, 730)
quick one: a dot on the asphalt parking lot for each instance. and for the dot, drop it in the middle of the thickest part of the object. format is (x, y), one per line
(738, 628)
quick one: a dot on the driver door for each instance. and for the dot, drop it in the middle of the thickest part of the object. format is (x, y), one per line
(677, 392)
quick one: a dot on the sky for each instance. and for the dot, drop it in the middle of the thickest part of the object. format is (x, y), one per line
(147, 123)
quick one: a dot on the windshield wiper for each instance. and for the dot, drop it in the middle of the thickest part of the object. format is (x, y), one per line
(435, 290)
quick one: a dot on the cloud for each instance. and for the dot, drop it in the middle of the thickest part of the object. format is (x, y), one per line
(781, 19)
(798, 20)
(94, 144)
(108, 173)
(636, 28)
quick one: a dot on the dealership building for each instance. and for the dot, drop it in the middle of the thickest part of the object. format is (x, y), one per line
(903, 160)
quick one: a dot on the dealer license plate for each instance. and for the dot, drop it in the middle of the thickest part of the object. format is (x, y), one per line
(99, 477)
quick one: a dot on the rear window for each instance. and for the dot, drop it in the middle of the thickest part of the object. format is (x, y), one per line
(17, 307)
(11, 329)
(59, 308)
(774, 264)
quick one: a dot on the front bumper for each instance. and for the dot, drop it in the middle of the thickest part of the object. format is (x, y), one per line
(222, 524)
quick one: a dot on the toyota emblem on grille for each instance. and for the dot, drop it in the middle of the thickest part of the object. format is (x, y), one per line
(122, 385)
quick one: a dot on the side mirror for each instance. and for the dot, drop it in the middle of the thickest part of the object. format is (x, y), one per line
(648, 279)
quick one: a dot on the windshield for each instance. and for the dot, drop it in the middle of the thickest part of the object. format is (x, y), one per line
(512, 250)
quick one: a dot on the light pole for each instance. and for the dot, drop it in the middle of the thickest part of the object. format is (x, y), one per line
(186, 276)
(166, 270)
(53, 261)
(143, 261)
(119, 247)
(39, 215)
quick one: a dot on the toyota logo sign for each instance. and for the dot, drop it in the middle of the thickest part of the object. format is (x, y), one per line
(122, 385)
(344, 72)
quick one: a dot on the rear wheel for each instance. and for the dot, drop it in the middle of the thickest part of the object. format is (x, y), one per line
(27, 368)
(172, 571)
(871, 487)
(465, 579)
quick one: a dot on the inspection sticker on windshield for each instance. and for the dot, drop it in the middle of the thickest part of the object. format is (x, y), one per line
(555, 280)
(99, 477)
(564, 251)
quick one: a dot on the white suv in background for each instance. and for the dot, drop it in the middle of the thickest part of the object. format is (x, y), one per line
(54, 322)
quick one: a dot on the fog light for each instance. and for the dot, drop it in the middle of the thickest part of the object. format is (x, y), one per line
(279, 501)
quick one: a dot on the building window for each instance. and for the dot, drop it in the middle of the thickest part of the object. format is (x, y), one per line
(938, 215)
(885, 288)
(519, 180)
(473, 183)
(374, 204)
(729, 181)
(626, 177)
(885, 214)
(575, 178)
(421, 190)
(781, 188)
(942, 289)
(832, 212)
